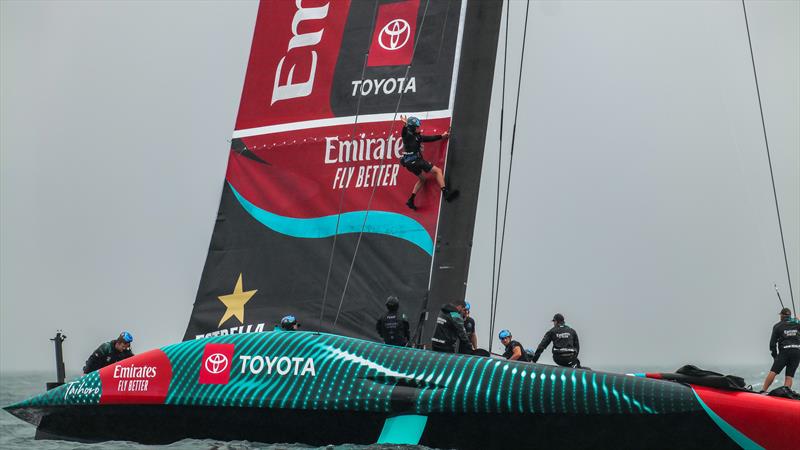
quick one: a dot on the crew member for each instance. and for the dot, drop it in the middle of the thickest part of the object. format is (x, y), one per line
(289, 323)
(393, 326)
(450, 335)
(565, 344)
(413, 160)
(110, 352)
(514, 350)
(784, 344)
(469, 326)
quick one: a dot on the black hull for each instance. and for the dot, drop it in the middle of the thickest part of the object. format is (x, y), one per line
(160, 424)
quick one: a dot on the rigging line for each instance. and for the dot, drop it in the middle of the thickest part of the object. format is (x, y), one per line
(444, 29)
(383, 161)
(511, 157)
(492, 297)
(769, 158)
(341, 197)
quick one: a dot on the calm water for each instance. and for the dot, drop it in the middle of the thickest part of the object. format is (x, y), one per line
(16, 434)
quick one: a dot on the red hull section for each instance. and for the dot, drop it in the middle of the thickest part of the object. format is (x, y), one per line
(771, 422)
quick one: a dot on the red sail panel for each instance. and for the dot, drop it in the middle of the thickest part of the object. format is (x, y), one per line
(292, 62)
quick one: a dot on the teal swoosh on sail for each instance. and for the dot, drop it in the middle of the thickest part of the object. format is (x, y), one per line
(380, 222)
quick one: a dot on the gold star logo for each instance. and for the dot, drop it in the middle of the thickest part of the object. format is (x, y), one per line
(234, 303)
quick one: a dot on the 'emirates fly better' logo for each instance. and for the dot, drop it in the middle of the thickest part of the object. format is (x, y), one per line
(215, 365)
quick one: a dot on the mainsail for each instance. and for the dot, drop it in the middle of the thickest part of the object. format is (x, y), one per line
(312, 221)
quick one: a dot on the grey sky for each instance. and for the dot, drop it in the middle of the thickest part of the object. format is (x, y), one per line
(641, 205)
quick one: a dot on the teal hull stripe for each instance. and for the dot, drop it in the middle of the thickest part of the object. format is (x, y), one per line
(732, 432)
(403, 430)
(380, 222)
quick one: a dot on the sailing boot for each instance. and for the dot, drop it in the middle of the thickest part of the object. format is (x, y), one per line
(410, 202)
(449, 195)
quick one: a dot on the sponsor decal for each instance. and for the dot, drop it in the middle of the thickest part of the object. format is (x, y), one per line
(249, 328)
(234, 309)
(386, 86)
(393, 37)
(285, 86)
(142, 378)
(292, 62)
(215, 365)
(283, 365)
(382, 152)
(235, 301)
(80, 388)
(563, 335)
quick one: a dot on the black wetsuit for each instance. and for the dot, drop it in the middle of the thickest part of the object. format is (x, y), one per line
(412, 151)
(393, 328)
(565, 346)
(510, 351)
(784, 344)
(469, 327)
(104, 355)
(450, 335)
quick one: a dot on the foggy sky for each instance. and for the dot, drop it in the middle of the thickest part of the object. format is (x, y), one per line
(640, 206)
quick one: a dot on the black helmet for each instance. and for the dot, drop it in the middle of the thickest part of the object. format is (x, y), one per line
(392, 302)
(558, 318)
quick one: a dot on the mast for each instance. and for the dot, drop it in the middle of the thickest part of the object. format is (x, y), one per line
(464, 164)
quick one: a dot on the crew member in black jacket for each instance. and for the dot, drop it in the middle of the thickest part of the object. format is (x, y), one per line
(565, 344)
(514, 350)
(469, 326)
(450, 335)
(393, 326)
(110, 352)
(413, 160)
(784, 345)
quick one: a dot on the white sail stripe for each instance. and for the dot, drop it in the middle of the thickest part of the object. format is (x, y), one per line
(459, 39)
(334, 121)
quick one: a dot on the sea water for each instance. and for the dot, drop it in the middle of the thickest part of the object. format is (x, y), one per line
(17, 434)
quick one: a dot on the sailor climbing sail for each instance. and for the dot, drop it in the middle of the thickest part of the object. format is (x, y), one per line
(413, 160)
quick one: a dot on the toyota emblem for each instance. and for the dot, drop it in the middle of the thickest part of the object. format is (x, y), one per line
(396, 33)
(216, 363)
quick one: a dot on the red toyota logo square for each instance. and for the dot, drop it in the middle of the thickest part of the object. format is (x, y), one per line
(393, 37)
(215, 365)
